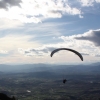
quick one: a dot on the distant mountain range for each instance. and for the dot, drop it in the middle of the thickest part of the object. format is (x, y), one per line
(67, 69)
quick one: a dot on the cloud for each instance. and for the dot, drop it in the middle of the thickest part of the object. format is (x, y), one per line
(98, 55)
(8, 24)
(98, 1)
(88, 42)
(40, 51)
(50, 8)
(9, 3)
(88, 2)
(46, 49)
(85, 43)
(3, 52)
(34, 11)
(91, 35)
(85, 54)
(9, 45)
(12, 42)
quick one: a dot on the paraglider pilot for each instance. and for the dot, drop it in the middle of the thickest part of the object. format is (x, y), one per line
(64, 81)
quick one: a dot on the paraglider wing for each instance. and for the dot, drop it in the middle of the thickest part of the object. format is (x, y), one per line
(56, 50)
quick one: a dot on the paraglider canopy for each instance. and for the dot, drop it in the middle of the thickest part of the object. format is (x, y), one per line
(76, 52)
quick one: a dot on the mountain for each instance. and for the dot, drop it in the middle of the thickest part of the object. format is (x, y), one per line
(62, 69)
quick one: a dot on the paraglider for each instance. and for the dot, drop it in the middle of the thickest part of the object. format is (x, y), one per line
(76, 52)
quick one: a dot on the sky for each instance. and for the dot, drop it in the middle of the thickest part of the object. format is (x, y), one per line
(31, 29)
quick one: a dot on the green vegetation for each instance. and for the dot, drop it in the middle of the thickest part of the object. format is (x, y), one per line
(28, 86)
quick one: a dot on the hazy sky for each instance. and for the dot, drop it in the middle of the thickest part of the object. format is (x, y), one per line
(31, 29)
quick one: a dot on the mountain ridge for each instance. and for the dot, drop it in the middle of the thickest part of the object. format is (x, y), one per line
(69, 69)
